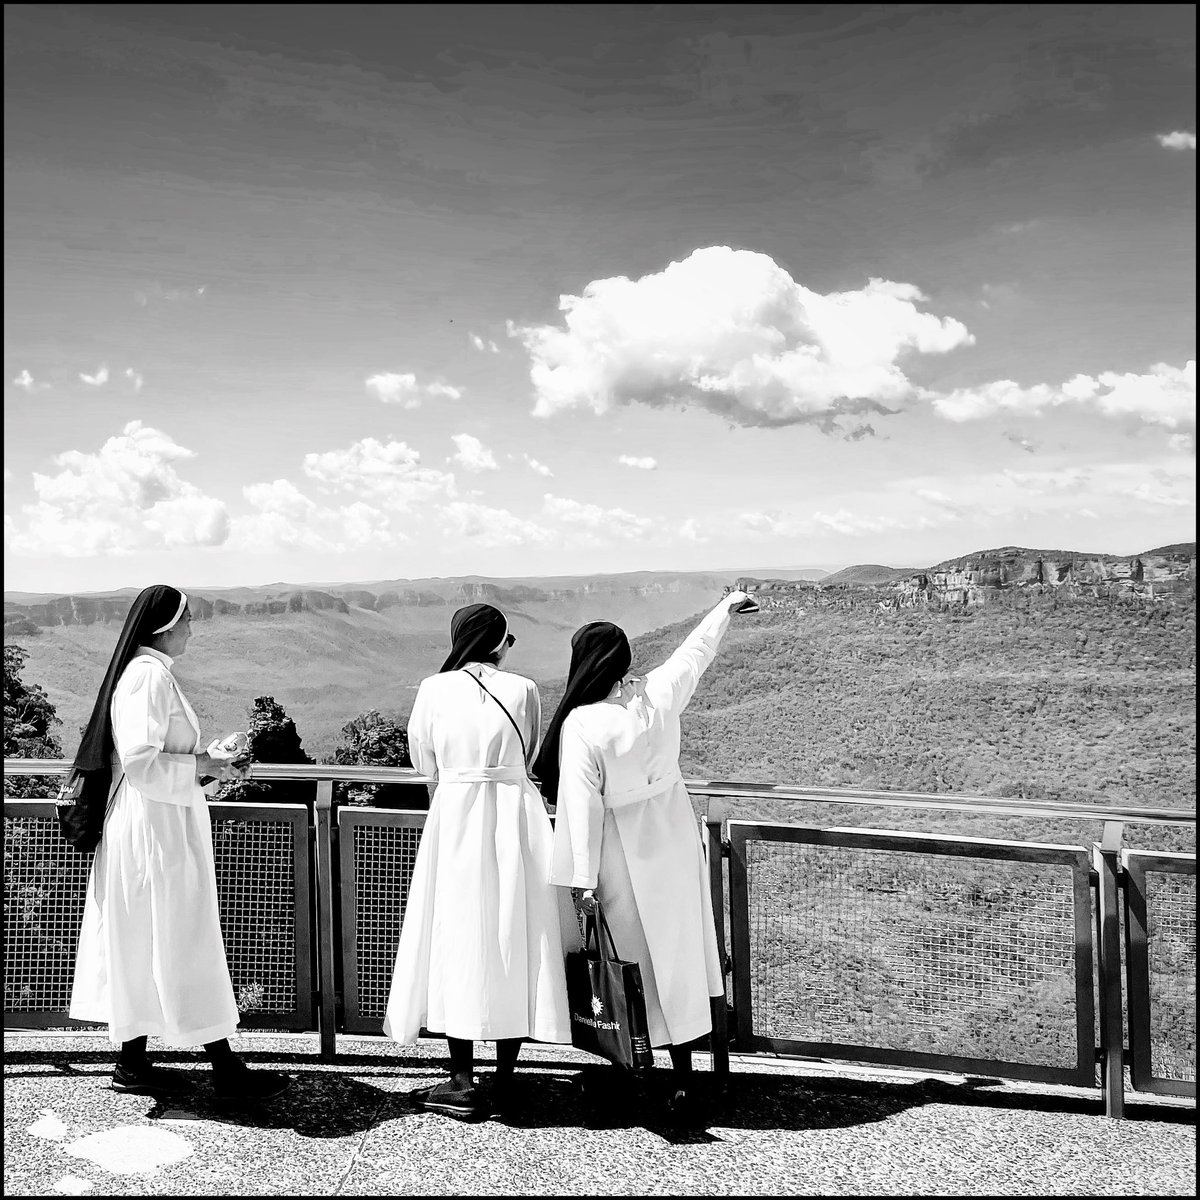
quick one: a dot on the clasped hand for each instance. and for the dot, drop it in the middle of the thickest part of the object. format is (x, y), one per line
(219, 764)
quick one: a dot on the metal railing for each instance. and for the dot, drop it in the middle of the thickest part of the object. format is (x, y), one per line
(889, 947)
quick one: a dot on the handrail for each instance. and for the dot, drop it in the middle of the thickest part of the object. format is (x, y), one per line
(725, 789)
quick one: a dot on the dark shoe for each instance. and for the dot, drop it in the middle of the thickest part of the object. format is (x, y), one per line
(454, 1101)
(685, 1109)
(242, 1085)
(148, 1080)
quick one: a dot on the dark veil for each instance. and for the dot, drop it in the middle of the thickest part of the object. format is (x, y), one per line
(600, 656)
(476, 633)
(155, 606)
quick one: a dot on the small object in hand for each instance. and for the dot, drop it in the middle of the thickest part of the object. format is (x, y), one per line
(749, 605)
(237, 744)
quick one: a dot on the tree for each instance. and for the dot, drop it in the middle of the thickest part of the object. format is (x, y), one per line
(273, 739)
(29, 719)
(375, 740)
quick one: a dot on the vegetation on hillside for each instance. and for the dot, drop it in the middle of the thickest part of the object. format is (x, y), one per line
(29, 724)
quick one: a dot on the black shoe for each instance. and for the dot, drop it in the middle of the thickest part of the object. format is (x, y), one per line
(685, 1109)
(149, 1080)
(454, 1101)
(241, 1084)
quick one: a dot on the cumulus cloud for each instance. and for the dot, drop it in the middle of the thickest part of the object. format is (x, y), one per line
(610, 522)
(136, 379)
(404, 390)
(732, 332)
(125, 498)
(642, 464)
(1179, 140)
(491, 526)
(284, 518)
(1164, 395)
(1024, 443)
(1182, 443)
(690, 531)
(539, 467)
(390, 473)
(98, 380)
(471, 454)
(27, 381)
(485, 345)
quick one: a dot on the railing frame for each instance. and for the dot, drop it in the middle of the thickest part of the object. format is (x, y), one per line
(329, 1009)
(1136, 864)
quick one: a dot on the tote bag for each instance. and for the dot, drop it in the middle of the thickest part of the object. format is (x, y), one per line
(607, 1001)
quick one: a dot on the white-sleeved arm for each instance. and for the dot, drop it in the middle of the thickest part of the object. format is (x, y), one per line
(579, 818)
(533, 717)
(141, 715)
(673, 684)
(420, 735)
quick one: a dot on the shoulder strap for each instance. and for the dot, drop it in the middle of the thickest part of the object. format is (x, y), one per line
(502, 707)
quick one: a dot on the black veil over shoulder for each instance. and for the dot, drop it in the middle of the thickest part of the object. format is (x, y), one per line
(476, 633)
(156, 609)
(600, 656)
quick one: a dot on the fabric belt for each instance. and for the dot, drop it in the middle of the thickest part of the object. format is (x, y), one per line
(637, 795)
(482, 775)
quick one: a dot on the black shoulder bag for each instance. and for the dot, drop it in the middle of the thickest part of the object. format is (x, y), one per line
(502, 708)
(81, 806)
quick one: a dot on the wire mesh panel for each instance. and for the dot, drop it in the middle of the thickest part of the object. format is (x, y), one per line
(378, 850)
(45, 882)
(262, 885)
(261, 858)
(914, 949)
(1160, 927)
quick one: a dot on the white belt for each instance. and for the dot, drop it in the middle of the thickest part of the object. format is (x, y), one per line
(482, 775)
(647, 792)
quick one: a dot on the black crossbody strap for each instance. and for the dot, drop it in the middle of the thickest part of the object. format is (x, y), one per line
(502, 708)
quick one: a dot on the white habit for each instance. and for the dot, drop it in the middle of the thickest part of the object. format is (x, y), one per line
(480, 954)
(151, 959)
(625, 827)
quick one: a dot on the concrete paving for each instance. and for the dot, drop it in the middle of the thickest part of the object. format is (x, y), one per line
(351, 1127)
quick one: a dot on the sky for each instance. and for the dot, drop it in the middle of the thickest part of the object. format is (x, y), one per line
(332, 293)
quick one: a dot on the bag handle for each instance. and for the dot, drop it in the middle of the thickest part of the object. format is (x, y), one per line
(502, 707)
(592, 929)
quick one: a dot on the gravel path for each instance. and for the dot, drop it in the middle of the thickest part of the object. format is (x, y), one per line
(350, 1128)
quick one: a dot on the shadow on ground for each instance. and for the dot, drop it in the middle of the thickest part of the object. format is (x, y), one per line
(360, 1092)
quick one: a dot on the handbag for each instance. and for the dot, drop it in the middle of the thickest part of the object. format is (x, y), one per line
(607, 1001)
(81, 806)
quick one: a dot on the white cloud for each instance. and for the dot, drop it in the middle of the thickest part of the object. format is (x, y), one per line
(156, 292)
(98, 380)
(642, 464)
(1020, 226)
(690, 531)
(485, 345)
(404, 390)
(611, 522)
(134, 378)
(1165, 395)
(539, 467)
(26, 381)
(127, 497)
(387, 472)
(287, 519)
(471, 454)
(731, 331)
(491, 526)
(1179, 140)
(1182, 443)
(7, 475)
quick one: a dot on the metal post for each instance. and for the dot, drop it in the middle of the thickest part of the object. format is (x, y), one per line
(326, 902)
(1112, 1028)
(719, 1039)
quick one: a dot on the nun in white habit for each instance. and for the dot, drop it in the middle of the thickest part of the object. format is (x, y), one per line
(625, 830)
(151, 958)
(480, 954)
